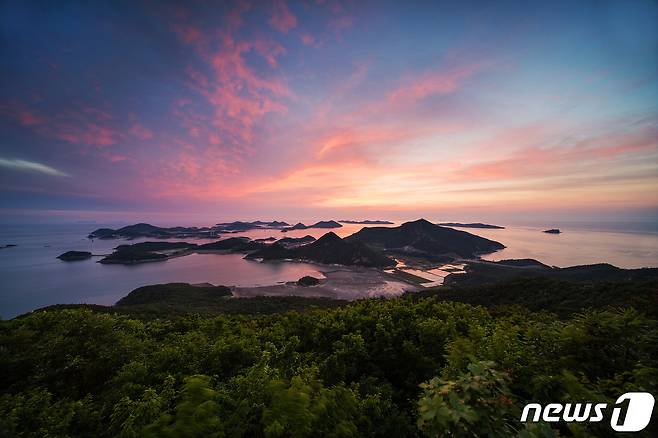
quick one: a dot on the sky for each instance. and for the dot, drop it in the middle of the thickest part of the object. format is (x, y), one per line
(200, 111)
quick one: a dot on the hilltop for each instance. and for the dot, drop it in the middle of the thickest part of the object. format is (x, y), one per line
(329, 249)
(321, 224)
(237, 244)
(424, 239)
(483, 272)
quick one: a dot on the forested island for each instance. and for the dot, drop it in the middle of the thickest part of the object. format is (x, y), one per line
(424, 239)
(329, 249)
(371, 246)
(366, 222)
(71, 256)
(148, 230)
(471, 225)
(321, 224)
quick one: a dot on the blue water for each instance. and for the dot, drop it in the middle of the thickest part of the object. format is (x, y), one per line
(31, 276)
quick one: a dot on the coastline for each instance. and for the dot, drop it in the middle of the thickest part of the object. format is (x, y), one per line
(339, 282)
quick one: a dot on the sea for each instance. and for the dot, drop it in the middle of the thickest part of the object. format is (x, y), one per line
(32, 277)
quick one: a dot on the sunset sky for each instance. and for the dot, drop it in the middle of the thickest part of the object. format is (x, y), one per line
(327, 109)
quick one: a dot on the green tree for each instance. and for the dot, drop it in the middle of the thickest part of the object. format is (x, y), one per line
(478, 403)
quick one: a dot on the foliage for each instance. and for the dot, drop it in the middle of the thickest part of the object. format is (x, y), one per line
(176, 294)
(479, 403)
(353, 370)
(476, 404)
(191, 302)
(559, 296)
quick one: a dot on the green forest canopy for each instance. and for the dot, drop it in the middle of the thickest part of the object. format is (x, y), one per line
(410, 366)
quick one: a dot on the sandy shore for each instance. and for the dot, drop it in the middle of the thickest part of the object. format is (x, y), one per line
(346, 283)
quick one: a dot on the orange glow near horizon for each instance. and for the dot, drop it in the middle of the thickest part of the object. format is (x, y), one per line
(332, 108)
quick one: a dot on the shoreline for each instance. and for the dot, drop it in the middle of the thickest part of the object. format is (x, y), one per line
(339, 282)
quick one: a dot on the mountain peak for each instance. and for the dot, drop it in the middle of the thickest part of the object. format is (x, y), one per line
(329, 237)
(418, 223)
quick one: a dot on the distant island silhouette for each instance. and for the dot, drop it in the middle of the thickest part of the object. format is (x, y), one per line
(368, 247)
(148, 230)
(366, 222)
(471, 225)
(321, 224)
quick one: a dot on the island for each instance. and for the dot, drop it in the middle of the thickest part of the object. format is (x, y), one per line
(480, 272)
(297, 226)
(525, 263)
(160, 251)
(9, 245)
(175, 294)
(328, 249)
(290, 242)
(422, 238)
(272, 224)
(153, 231)
(148, 230)
(471, 225)
(307, 281)
(147, 252)
(234, 244)
(321, 224)
(371, 246)
(246, 226)
(170, 300)
(72, 256)
(552, 231)
(366, 222)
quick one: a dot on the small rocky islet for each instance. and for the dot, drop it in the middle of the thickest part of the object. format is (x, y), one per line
(72, 256)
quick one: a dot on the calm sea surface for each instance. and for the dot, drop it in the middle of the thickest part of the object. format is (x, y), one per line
(32, 277)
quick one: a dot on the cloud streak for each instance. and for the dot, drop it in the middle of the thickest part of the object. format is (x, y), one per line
(31, 166)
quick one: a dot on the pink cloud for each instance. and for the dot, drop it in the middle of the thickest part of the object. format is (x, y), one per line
(239, 96)
(307, 39)
(20, 113)
(282, 18)
(188, 34)
(87, 134)
(95, 113)
(141, 132)
(116, 158)
(533, 161)
(26, 118)
(83, 125)
(432, 83)
(269, 50)
(354, 138)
